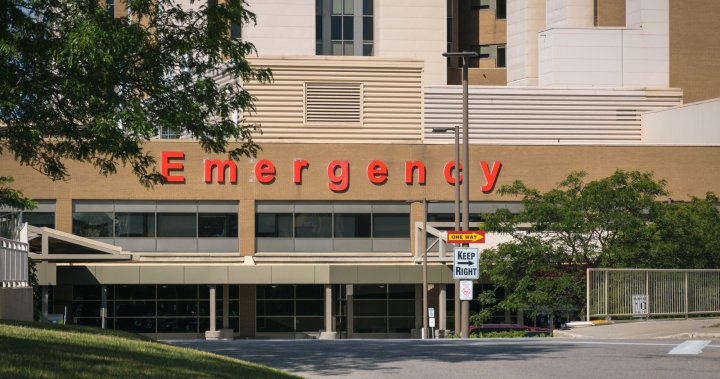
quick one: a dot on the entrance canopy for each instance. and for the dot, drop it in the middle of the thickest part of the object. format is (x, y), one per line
(52, 245)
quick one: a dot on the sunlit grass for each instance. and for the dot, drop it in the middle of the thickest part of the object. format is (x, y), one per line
(32, 350)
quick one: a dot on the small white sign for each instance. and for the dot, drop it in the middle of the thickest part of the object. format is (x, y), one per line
(466, 290)
(639, 304)
(431, 312)
(465, 263)
(432, 322)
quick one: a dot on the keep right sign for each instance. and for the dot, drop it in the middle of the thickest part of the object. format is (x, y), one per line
(465, 263)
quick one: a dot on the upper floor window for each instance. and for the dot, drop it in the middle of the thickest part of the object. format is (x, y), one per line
(344, 27)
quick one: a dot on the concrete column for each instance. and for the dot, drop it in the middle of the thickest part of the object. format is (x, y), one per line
(213, 333)
(226, 307)
(349, 300)
(213, 311)
(45, 304)
(508, 317)
(442, 307)
(103, 306)
(329, 332)
(520, 317)
(247, 310)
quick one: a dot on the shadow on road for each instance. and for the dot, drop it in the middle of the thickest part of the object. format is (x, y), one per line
(341, 357)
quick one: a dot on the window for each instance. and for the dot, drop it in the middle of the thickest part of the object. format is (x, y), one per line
(93, 224)
(40, 219)
(496, 52)
(274, 225)
(352, 225)
(391, 225)
(500, 61)
(313, 225)
(344, 27)
(110, 7)
(176, 225)
(134, 224)
(289, 308)
(382, 308)
(480, 4)
(501, 9)
(217, 225)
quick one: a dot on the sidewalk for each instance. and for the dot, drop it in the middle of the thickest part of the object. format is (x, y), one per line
(699, 328)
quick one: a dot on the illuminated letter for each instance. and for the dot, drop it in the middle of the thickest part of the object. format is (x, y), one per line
(166, 166)
(490, 175)
(221, 166)
(449, 167)
(377, 172)
(338, 183)
(298, 166)
(265, 171)
(409, 167)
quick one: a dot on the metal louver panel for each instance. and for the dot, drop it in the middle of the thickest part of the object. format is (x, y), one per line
(333, 103)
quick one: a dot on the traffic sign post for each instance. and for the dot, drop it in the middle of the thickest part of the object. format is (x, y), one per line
(465, 263)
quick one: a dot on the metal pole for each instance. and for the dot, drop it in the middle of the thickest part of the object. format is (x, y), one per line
(457, 223)
(587, 295)
(103, 307)
(465, 307)
(424, 271)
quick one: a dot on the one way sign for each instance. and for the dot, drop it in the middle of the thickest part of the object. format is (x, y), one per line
(465, 263)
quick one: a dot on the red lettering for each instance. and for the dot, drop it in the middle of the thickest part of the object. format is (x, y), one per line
(166, 166)
(410, 167)
(265, 171)
(450, 167)
(490, 175)
(298, 166)
(338, 183)
(221, 166)
(377, 172)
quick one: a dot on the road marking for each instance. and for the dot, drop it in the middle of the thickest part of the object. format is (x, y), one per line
(690, 347)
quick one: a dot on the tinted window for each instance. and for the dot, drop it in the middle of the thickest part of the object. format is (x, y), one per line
(93, 224)
(135, 225)
(313, 225)
(274, 225)
(217, 225)
(40, 219)
(352, 225)
(176, 225)
(391, 225)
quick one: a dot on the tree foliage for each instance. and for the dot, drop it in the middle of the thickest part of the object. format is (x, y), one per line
(78, 84)
(618, 221)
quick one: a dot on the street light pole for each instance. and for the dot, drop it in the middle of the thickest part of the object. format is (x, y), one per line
(465, 55)
(456, 128)
(424, 271)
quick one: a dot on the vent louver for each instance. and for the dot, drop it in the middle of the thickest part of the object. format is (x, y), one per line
(333, 103)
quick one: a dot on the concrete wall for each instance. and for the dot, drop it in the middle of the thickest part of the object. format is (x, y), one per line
(284, 27)
(413, 29)
(692, 124)
(614, 57)
(16, 303)
(525, 19)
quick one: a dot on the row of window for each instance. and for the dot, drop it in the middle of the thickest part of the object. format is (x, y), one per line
(147, 224)
(344, 27)
(337, 225)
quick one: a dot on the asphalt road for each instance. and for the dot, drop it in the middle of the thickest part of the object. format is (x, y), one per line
(487, 358)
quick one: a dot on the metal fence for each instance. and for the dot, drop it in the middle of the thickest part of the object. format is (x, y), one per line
(13, 263)
(646, 292)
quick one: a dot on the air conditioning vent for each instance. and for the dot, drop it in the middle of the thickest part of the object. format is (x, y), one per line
(333, 103)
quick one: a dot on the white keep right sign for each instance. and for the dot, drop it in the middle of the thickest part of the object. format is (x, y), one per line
(465, 263)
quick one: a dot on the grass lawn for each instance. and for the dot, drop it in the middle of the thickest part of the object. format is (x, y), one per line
(33, 350)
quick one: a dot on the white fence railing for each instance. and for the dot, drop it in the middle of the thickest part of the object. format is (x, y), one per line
(646, 292)
(13, 263)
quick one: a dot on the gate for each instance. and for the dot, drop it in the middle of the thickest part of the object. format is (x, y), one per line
(652, 292)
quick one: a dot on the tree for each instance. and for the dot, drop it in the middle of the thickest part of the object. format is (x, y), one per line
(559, 234)
(78, 84)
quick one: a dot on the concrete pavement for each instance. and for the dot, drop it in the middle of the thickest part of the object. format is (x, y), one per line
(694, 328)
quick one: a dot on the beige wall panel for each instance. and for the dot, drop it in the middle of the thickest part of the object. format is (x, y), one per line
(206, 274)
(118, 274)
(378, 274)
(343, 274)
(446, 275)
(391, 99)
(694, 48)
(249, 275)
(46, 273)
(76, 275)
(322, 274)
(542, 166)
(246, 227)
(162, 274)
(293, 274)
(611, 13)
(480, 76)
(492, 31)
(16, 304)
(410, 274)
